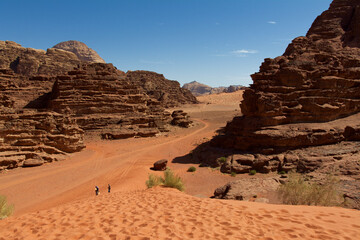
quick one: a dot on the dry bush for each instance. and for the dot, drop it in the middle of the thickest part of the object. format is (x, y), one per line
(154, 181)
(173, 181)
(170, 180)
(5, 209)
(297, 191)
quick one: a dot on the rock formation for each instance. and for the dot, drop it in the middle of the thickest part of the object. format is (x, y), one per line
(180, 118)
(30, 62)
(167, 92)
(41, 66)
(316, 80)
(302, 110)
(101, 97)
(198, 89)
(83, 52)
(29, 137)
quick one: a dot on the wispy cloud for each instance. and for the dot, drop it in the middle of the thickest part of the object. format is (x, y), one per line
(271, 22)
(237, 53)
(245, 51)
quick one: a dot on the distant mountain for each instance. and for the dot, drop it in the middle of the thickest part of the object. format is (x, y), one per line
(83, 52)
(198, 89)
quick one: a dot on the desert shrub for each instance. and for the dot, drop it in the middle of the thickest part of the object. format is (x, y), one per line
(233, 174)
(173, 181)
(282, 172)
(222, 159)
(252, 172)
(154, 181)
(297, 191)
(192, 169)
(5, 209)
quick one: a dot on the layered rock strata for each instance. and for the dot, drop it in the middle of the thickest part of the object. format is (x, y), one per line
(181, 119)
(167, 92)
(98, 96)
(31, 138)
(302, 110)
(316, 80)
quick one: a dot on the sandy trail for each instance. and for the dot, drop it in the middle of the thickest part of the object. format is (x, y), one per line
(123, 163)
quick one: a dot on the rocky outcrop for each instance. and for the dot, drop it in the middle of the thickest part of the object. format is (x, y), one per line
(38, 68)
(83, 52)
(198, 89)
(99, 96)
(30, 138)
(181, 119)
(156, 86)
(302, 111)
(30, 62)
(316, 80)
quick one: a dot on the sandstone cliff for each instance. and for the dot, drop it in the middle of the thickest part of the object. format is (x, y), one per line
(101, 97)
(167, 92)
(83, 52)
(302, 111)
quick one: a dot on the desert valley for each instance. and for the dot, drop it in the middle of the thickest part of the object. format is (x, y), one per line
(69, 121)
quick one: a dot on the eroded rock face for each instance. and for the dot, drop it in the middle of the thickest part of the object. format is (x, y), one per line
(30, 138)
(167, 92)
(83, 52)
(316, 80)
(99, 96)
(181, 119)
(30, 62)
(302, 111)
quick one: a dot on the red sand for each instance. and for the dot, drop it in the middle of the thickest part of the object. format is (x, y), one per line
(64, 194)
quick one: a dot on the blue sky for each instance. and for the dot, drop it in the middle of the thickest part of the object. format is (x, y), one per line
(216, 42)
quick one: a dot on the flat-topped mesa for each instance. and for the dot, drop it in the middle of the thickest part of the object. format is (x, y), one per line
(167, 92)
(316, 80)
(100, 97)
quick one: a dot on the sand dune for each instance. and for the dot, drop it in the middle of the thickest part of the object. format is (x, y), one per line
(169, 214)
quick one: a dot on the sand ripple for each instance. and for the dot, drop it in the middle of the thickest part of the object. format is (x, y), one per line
(168, 214)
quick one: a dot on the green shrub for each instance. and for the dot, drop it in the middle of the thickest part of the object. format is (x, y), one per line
(233, 174)
(252, 172)
(154, 181)
(172, 180)
(191, 169)
(297, 191)
(222, 159)
(5, 209)
(282, 172)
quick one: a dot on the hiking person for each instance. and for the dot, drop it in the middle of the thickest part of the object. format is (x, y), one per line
(97, 191)
(109, 188)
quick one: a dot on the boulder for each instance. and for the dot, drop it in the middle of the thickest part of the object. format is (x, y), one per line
(33, 162)
(160, 165)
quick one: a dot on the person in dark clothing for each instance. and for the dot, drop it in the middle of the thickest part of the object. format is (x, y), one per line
(109, 188)
(97, 191)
